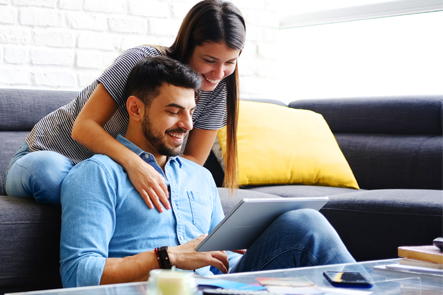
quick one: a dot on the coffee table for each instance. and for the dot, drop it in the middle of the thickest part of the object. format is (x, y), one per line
(385, 281)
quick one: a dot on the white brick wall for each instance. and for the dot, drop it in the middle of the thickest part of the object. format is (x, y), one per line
(66, 44)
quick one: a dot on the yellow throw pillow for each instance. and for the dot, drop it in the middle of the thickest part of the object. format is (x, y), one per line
(281, 145)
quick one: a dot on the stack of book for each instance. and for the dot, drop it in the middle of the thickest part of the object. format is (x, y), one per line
(424, 256)
(422, 259)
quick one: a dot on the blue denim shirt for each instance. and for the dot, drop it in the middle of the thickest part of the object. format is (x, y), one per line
(104, 216)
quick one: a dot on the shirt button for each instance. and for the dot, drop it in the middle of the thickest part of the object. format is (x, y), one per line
(146, 156)
(181, 238)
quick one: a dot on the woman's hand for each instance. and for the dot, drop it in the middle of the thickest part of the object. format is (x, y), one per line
(185, 257)
(149, 183)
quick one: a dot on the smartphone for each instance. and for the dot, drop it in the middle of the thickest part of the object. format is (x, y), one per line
(347, 279)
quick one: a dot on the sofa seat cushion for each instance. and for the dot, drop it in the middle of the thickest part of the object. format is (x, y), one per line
(296, 190)
(383, 220)
(29, 251)
(391, 201)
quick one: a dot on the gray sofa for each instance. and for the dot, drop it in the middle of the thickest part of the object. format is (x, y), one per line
(393, 145)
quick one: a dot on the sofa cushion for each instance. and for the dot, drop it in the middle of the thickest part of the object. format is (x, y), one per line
(383, 115)
(373, 158)
(376, 222)
(30, 242)
(21, 109)
(279, 145)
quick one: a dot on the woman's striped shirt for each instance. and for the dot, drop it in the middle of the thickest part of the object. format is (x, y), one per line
(53, 132)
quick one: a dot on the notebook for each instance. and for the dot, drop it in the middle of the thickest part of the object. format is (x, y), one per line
(244, 224)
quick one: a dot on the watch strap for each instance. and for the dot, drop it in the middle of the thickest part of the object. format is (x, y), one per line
(163, 257)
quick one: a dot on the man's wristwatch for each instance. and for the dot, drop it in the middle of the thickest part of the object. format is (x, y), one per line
(163, 257)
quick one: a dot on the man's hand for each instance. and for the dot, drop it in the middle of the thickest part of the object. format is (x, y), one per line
(185, 256)
(149, 184)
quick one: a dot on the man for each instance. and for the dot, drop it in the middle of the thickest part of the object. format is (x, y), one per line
(109, 236)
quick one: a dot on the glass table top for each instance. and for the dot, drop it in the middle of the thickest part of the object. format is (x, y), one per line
(386, 282)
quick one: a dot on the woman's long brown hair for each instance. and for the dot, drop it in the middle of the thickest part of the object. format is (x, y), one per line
(216, 21)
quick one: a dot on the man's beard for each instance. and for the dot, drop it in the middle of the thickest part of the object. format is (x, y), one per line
(158, 140)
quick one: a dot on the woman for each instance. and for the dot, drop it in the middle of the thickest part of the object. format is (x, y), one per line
(210, 40)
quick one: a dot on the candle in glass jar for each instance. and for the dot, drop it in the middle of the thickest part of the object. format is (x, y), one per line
(171, 282)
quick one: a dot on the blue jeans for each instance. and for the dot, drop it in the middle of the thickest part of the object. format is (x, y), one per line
(37, 174)
(297, 238)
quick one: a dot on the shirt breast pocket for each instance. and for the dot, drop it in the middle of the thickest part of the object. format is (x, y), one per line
(201, 210)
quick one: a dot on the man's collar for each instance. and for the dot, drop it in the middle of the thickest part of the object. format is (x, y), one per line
(123, 140)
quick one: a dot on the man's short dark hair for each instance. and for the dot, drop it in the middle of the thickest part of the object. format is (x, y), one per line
(149, 74)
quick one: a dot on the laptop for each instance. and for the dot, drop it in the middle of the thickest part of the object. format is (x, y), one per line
(248, 220)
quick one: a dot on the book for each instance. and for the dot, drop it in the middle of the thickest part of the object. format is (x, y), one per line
(411, 269)
(214, 283)
(425, 253)
(420, 263)
(291, 285)
(302, 285)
